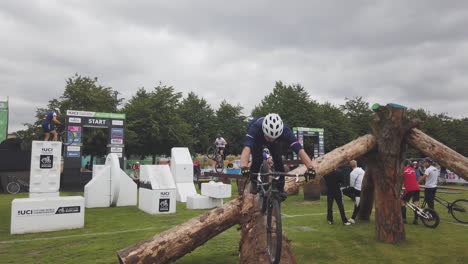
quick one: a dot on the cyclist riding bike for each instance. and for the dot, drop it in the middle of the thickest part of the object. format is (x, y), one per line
(220, 143)
(270, 131)
(48, 124)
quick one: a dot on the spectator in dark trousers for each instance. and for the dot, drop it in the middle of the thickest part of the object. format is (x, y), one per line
(356, 176)
(431, 174)
(333, 181)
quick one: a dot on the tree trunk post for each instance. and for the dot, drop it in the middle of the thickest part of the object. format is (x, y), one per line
(389, 128)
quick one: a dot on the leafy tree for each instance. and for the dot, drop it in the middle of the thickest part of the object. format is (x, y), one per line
(231, 124)
(360, 114)
(336, 126)
(292, 103)
(199, 115)
(154, 122)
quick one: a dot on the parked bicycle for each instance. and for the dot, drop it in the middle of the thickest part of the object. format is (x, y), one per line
(270, 205)
(428, 216)
(214, 154)
(14, 185)
(458, 208)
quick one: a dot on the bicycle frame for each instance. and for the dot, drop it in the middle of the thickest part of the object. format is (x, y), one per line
(418, 210)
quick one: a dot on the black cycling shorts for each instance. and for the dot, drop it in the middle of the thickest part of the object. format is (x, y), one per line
(412, 194)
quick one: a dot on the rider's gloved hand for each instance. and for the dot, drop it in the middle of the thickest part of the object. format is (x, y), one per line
(310, 173)
(245, 172)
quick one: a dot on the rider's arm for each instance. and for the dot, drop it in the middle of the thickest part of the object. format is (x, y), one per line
(422, 178)
(54, 119)
(289, 136)
(245, 156)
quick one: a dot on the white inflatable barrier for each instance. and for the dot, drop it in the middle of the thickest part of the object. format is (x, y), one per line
(157, 192)
(110, 186)
(45, 210)
(185, 190)
(203, 202)
(32, 215)
(182, 171)
(45, 169)
(97, 169)
(216, 189)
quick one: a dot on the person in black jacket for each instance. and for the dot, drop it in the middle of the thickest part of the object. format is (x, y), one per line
(333, 181)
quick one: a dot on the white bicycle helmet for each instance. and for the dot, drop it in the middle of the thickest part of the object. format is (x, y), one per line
(272, 126)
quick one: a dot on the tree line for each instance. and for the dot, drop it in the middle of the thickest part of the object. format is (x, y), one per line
(161, 118)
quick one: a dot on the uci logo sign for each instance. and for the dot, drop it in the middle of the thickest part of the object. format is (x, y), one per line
(164, 193)
(47, 149)
(25, 212)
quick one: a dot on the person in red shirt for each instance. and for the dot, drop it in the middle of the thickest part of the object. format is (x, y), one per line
(411, 190)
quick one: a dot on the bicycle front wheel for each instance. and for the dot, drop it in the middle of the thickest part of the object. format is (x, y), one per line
(433, 220)
(459, 210)
(13, 187)
(210, 153)
(274, 231)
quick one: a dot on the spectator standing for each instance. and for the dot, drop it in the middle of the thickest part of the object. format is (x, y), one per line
(431, 174)
(411, 190)
(417, 170)
(333, 181)
(356, 177)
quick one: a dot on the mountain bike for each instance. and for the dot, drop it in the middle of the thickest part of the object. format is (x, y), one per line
(213, 153)
(270, 205)
(66, 137)
(14, 185)
(458, 208)
(428, 216)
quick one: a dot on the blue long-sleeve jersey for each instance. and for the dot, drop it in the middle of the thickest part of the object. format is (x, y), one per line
(255, 136)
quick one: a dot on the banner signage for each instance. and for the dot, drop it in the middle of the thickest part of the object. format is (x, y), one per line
(3, 120)
(95, 114)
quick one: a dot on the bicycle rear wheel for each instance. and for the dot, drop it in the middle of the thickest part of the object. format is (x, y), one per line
(219, 167)
(274, 231)
(459, 210)
(433, 220)
(13, 187)
(211, 152)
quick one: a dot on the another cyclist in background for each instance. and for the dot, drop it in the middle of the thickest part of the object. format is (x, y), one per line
(220, 143)
(417, 169)
(431, 174)
(48, 124)
(270, 131)
(411, 190)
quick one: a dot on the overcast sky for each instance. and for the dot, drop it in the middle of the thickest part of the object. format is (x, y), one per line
(409, 52)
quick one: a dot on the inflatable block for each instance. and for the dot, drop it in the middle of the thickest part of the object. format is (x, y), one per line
(97, 169)
(157, 201)
(184, 190)
(203, 202)
(97, 191)
(157, 177)
(181, 165)
(32, 215)
(45, 166)
(216, 189)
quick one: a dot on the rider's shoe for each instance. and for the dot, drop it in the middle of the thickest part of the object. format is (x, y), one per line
(415, 221)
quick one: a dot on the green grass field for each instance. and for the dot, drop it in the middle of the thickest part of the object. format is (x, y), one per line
(314, 241)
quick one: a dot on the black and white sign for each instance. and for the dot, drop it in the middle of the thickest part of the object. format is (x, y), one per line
(46, 162)
(164, 205)
(68, 210)
(97, 122)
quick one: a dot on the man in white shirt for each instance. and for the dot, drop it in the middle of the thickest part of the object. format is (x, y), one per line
(356, 176)
(431, 174)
